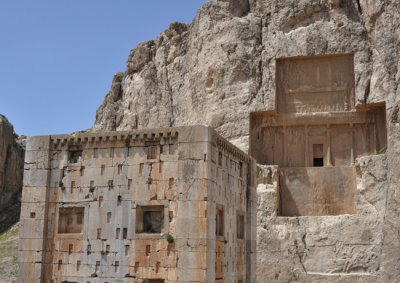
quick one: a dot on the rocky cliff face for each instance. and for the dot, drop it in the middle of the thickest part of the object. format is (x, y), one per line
(343, 248)
(11, 170)
(222, 66)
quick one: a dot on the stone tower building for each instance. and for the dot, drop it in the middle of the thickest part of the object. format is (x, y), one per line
(162, 205)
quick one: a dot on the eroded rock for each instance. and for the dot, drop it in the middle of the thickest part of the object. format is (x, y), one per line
(223, 63)
(11, 168)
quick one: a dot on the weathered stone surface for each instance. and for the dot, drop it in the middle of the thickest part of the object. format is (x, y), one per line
(324, 248)
(107, 209)
(11, 164)
(221, 67)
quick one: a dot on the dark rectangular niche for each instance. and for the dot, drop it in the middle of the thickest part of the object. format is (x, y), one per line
(74, 153)
(70, 220)
(149, 219)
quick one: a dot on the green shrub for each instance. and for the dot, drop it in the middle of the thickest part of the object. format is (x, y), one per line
(170, 238)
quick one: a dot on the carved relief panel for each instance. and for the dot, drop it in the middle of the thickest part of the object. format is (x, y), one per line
(315, 84)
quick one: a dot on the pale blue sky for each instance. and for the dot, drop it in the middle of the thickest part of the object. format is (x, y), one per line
(58, 57)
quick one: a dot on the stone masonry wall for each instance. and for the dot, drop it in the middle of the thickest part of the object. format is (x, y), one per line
(99, 208)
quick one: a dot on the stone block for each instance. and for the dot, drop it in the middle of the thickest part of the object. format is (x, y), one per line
(193, 150)
(31, 210)
(55, 177)
(192, 168)
(29, 244)
(194, 134)
(121, 175)
(36, 159)
(38, 143)
(33, 194)
(192, 260)
(120, 156)
(192, 189)
(169, 169)
(192, 209)
(191, 275)
(137, 155)
(31, 228)
(29, 272)
(104, 157)
(191, 228)
(36, 178)
(30, 256)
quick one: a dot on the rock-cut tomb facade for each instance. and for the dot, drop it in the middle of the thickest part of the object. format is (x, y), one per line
(315, 134)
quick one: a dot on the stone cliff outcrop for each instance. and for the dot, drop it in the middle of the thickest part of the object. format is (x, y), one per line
(11, 170)
(222, 66)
